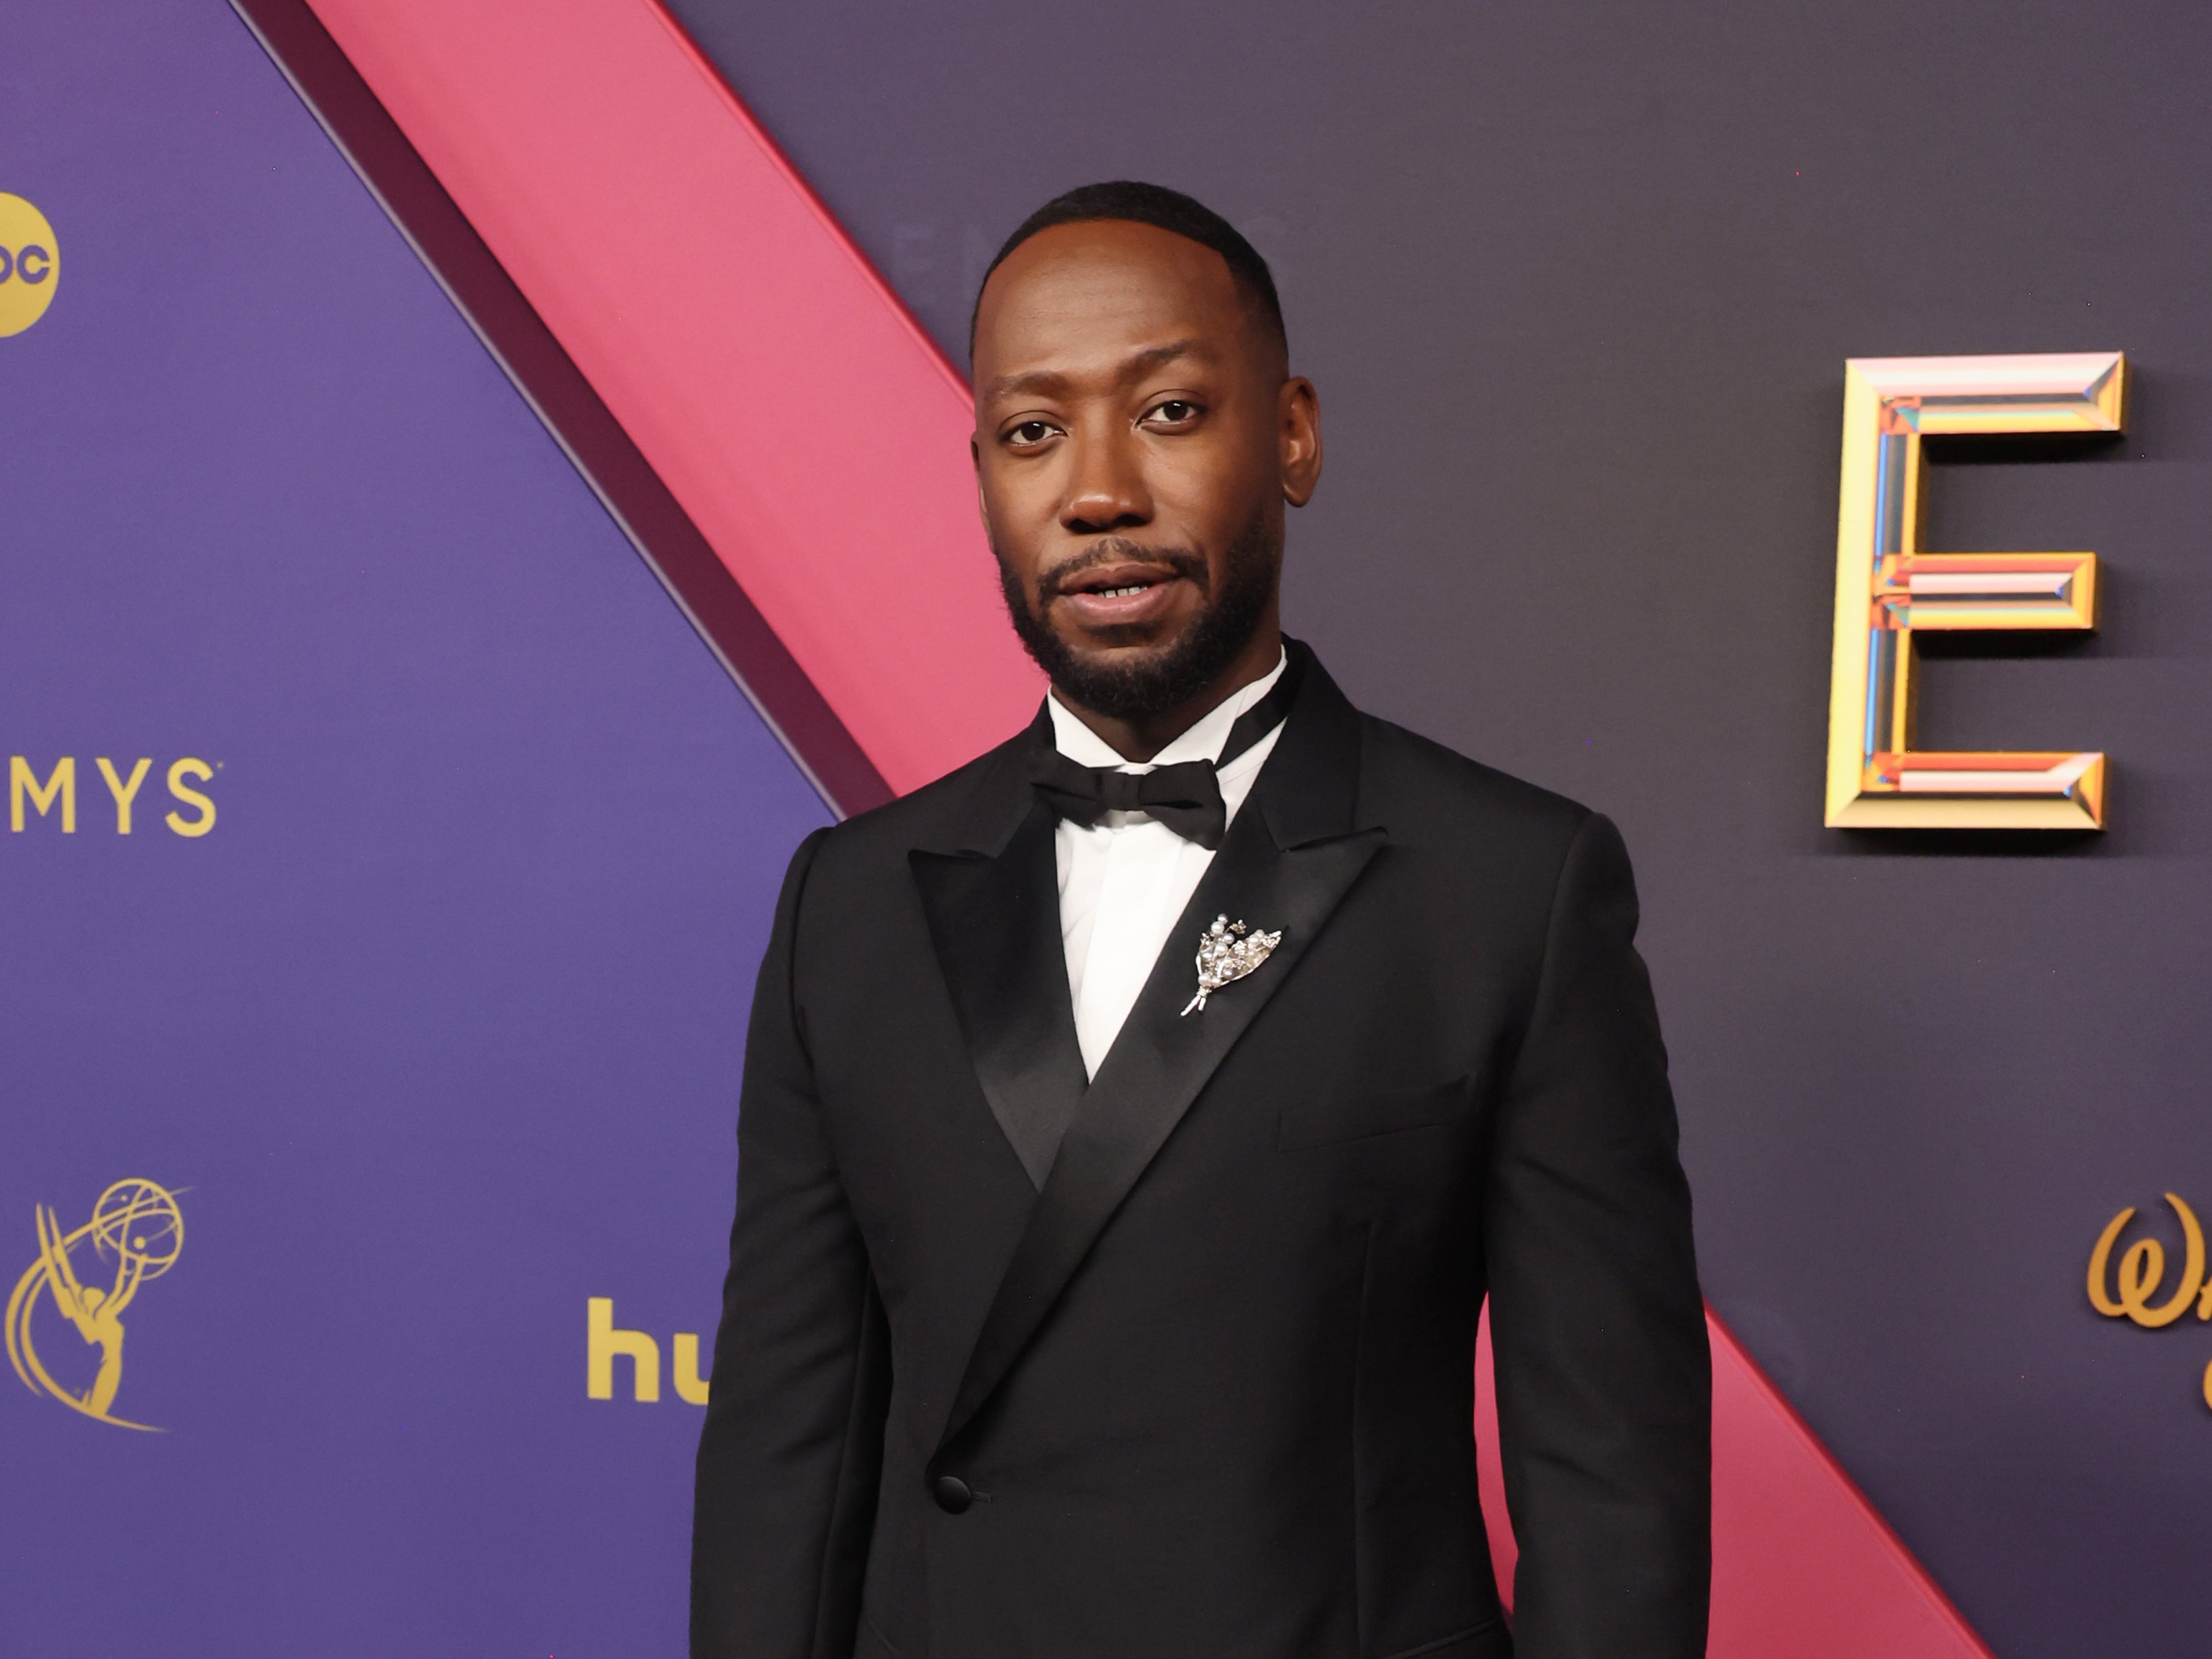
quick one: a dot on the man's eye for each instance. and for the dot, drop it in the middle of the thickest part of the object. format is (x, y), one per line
(1029, 432)
(1174, 412)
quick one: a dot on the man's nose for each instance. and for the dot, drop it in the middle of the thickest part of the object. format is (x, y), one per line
(1106, 485)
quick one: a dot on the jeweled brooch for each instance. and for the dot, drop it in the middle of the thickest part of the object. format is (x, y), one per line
(1226, 952)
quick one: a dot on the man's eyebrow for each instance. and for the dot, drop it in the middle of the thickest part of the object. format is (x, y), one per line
(1157, 355)
(1053, 380)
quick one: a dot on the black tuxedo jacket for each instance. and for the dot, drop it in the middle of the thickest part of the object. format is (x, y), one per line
(1206, 1392)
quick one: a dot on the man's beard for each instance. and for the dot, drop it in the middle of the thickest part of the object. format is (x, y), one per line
(1143, 684)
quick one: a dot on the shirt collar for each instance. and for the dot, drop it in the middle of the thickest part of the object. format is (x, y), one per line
(1202, 741)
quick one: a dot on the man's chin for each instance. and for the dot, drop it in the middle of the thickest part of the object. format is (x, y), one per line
(1132, 681)
(1121, 649)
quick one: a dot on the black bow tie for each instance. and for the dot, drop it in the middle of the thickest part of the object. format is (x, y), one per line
(1185, 797)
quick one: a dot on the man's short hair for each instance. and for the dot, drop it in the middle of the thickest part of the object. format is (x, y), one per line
(1168, 209)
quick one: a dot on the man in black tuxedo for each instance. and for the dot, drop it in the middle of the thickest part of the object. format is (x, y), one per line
(1134, 1121)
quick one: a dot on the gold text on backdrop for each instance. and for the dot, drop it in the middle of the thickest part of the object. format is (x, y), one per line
(1887, 588)
(604, 1343)
(31, 797)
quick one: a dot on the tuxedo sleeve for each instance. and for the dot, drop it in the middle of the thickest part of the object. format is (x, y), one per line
(789, 1457)
(1603, 1367)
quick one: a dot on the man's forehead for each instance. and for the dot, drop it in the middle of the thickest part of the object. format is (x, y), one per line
(1104, 290)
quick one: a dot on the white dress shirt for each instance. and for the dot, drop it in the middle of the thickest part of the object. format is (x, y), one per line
(1124, 881)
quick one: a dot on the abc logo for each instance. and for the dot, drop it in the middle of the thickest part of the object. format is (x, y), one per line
(30, 265)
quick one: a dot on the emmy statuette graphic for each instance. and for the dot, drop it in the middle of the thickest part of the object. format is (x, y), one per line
(135, 1223)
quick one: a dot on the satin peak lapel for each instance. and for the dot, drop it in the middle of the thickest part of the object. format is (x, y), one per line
(1291, 857)
(994, 920)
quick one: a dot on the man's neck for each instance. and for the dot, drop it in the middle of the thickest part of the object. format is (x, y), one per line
(1143, 737)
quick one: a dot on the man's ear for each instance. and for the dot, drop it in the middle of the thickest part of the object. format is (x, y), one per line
(1297, 426)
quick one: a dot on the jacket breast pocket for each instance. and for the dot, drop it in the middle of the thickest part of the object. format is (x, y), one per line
(1327, 1119)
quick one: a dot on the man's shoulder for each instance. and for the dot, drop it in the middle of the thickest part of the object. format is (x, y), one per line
(1422, 789)
(932, 816)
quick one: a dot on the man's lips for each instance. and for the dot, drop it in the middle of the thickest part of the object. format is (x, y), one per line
(1117, 595)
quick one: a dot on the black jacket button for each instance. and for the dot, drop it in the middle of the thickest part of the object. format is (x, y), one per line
(951, 1494)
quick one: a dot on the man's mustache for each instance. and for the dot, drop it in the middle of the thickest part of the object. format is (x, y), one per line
(1120, 549)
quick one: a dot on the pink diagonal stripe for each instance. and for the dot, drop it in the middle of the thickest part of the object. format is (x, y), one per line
(783, 394)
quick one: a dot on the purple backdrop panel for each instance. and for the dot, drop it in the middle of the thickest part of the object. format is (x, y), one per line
(435, 1033)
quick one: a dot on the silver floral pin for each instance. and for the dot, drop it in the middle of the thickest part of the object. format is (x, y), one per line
(1227, 952)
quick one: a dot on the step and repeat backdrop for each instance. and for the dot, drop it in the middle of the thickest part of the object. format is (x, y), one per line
(386, 868)
(386, 859)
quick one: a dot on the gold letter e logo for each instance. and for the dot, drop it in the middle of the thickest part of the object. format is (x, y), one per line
(1886, 589)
